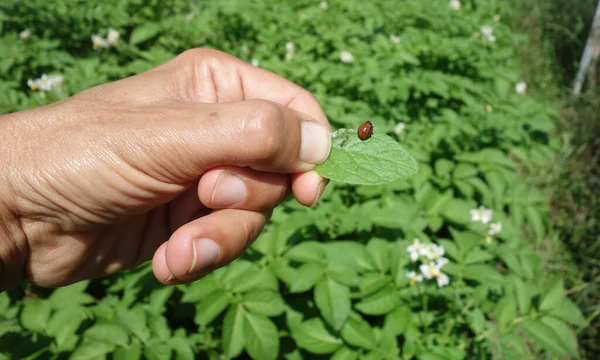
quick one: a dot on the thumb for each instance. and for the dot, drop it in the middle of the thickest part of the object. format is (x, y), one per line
(259, 134)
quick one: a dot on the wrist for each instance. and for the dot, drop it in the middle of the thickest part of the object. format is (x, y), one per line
(13, 243)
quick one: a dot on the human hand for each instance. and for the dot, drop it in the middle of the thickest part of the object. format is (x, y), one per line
(197, 151)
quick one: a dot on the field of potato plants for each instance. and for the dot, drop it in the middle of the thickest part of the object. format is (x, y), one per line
(442, 265)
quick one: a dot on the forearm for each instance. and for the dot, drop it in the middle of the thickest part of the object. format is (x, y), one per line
(13, 244)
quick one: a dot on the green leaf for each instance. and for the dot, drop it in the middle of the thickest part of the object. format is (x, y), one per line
(483, 273)
(350, 254)
(463, 171)
(209, 308)
(308, 251)
(378, 160)
(565, 335)
(477, 256)
(379, 250)
(344, 353)
(450, 248)
(135, 321)
(554, 296)
(265, 302)
(544, 335)
(183, 348)
(443, 167)
(358, 332)
(130, 352)
(144, 32)
(294, 355)
(4, 302)
(398, 320)
(159, 327)
(284, 272)
(307, 277)
(199, 289)
(569, 312)
(9, 326)
(63, 326)
(371, 283)
(333, 300)
(343, 274)
(236, 269)
(312, 336)
(233, 331)
(457, 211)
(111, 333)
(380, 303)
(523, 294)
(157, 350)
(262, 339)
(35, 314)
(158, 298)
(465, 240)
(506, 308)
(536, 222)
(293, 318)
(73, 294)
(254, 279)
(92, 350)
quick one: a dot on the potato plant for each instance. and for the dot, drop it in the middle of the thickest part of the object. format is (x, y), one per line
(441, 264)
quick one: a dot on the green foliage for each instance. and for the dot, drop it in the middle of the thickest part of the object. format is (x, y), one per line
(337, 279)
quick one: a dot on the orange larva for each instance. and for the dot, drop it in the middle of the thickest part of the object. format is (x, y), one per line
(365, 130)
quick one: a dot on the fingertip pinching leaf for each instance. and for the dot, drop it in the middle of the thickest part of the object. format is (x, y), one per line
(375, 161)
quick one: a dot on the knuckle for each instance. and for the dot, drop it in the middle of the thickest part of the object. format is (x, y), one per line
(198, 54)
(264, 128)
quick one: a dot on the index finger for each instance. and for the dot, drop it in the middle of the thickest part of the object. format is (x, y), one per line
(213, 76)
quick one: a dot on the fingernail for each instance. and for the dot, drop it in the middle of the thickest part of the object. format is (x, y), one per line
(169, 278)
(229, 190)
(206, 253)
(315, 144)
(320, 190)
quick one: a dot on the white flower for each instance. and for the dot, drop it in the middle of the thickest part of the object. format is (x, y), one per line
(346, 57)
(255, 62)
(437, 252)
(324, 5)
(413, 277)
(521, 87)
(45, 82)
(25, 34)
(482, 215)
(399, 128)
(441, 262)
(415, 249)
(496, 17)
(190, 17)
(113, 36)
(495, 228)
(426, 251)
(488, 32)
(442, 280)
(455, 5)
(99, 42)
(394, 39)
(429, 270)
(290, 47)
